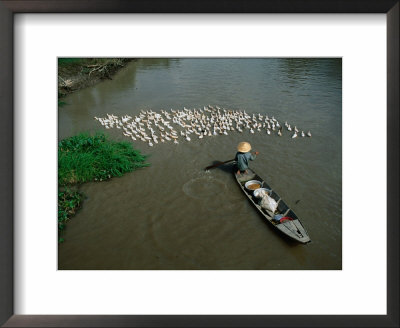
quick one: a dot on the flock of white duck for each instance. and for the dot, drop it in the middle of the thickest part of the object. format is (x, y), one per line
(152, 127)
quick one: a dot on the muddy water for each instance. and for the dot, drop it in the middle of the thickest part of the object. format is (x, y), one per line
(173, 215)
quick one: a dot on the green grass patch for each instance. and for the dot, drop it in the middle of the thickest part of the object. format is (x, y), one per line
(84, 158)
(69, 201)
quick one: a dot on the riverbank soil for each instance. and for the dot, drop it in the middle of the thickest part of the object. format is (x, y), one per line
(78, 73)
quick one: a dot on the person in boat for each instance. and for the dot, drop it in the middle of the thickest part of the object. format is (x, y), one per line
(243, 156)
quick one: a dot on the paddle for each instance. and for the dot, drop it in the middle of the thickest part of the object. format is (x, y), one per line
(219, 164)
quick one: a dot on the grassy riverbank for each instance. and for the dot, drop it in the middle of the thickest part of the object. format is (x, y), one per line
(84, 158)
(69, 202)
(78, 73)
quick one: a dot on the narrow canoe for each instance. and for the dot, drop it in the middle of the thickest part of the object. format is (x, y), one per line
(293, 228)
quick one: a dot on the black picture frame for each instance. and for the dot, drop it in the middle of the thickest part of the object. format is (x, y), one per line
(10, 7)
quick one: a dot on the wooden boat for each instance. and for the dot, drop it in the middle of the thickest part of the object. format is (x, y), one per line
(290, 225)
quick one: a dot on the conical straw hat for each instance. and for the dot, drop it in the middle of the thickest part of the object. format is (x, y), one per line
(244, 147)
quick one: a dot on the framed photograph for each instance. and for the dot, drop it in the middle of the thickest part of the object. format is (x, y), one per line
(307, 90)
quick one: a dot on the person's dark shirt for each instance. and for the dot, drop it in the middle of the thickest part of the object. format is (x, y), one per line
(242, 160)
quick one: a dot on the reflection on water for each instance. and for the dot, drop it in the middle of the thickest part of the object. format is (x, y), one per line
(156, 63)
(173, 215)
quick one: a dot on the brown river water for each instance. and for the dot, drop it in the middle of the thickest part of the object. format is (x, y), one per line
(175, 216)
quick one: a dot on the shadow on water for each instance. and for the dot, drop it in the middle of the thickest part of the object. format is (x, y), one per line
(217, 165)
(156, 63)
(226, 168)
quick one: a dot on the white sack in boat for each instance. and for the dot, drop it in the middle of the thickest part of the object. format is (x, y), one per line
(268, 203)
